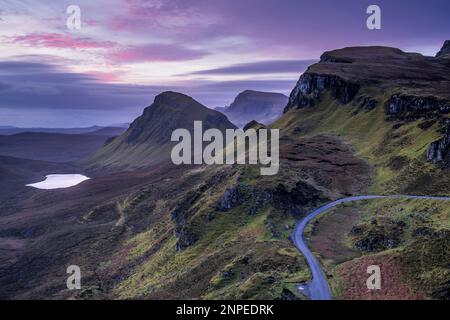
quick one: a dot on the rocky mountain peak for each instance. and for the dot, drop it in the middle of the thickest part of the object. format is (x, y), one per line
(148, 140)
(174, 99)
(254, 125)
(344, 72)
(445, 50)
(256, 96)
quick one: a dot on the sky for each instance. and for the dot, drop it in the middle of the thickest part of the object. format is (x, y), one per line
(128, 51)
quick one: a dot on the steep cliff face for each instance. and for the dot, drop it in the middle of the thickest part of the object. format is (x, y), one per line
(411, 87)
(311, 86)
(445, 50)
(411, 108)
(263, 107)
(439, 151)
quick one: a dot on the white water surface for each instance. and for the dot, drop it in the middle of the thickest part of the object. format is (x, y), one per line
(59, 181)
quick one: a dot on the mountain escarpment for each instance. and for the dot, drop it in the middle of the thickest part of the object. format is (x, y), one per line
(403, 99)
(393, 108)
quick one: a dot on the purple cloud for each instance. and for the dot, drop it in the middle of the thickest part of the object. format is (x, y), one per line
(46, 95)
(155, 52)
(56, 40)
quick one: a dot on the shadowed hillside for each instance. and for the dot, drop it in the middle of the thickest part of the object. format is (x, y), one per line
(147, 141)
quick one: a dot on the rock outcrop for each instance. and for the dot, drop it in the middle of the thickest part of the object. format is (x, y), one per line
(311, 86)
(410, 86)
(231, 198)
(366, 103)
(292, 201)
(181, 215)
(443, 292)
(409, 107)
(373, 71)
(239, 194)
(378, 236)
(439, 151)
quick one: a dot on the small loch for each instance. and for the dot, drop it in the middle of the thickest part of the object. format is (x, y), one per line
(59, 181)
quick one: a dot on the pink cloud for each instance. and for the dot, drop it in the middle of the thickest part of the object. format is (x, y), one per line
(56, 40)
(157, 52)
(107, 77)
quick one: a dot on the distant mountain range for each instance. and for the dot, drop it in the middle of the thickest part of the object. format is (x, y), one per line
(53, 147)
(263, 107)
(98, 130)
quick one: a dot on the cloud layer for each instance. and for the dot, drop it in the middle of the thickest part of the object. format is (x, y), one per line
(39, 94)
(129, 50)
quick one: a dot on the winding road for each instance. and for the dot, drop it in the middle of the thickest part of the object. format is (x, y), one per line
(318, 288)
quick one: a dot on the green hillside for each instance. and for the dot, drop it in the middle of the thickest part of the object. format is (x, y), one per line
(147, 141)
(393, 109)
(228, 235)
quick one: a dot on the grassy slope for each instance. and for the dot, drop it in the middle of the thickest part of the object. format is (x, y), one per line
(397, 155)
(421, 260)
(148, 140)
(398, 160)
(235, 257)
(237, 254)
(229, 254)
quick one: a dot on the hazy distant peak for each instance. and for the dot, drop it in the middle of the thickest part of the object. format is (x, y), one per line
(254, 125)
(258, 94)
(264, 107)
(175, 99)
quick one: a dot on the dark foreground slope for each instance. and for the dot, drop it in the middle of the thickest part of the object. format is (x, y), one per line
(147, 141)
